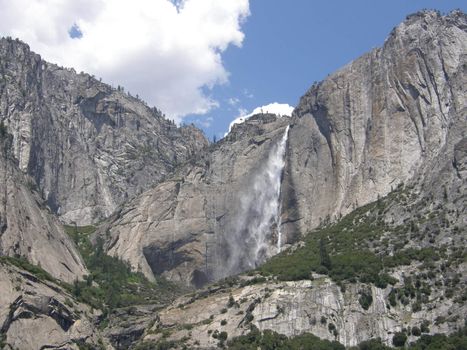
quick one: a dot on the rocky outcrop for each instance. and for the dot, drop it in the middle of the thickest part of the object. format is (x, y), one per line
(127, 326)
(89, 147)
(38, 314)
(292, 308)
(395, 115)
(392, 116)
(28, 229)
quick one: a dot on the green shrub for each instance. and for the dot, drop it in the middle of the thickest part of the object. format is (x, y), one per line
(371, 344)
(357, 247)
(399, 339)
(365, 299)
(440, 320)
(416, 331)
(269, 340)
(324, 259)
(3, 129)
(249, 317)
(35, 270)
(322, 270)
(416, 306)
(424, 327)
(337, 250)
(2, 340)
(231, 302)
(392, 298)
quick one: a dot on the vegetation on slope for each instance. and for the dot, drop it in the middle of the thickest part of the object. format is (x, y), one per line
(367, 245)
(35, 270)
(111, 282)
(363, 246)
(269, 340)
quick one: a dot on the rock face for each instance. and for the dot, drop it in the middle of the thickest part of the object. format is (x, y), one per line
(88, 146)
(395, 115)
(37, 314)
(177, 228)
(27, 228)
(291, 308)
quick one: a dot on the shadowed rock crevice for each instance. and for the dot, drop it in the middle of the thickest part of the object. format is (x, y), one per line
(290, 213)
(166, 258)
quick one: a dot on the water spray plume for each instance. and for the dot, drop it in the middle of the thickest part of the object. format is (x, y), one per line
(250, 242)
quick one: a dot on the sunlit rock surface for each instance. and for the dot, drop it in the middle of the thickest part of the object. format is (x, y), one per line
(37, 314)
(89, 147)
(292, 308)
(179, 228)
(27, 227)
(392, 116)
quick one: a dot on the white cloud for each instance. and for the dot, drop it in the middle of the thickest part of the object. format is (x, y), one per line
(233, 101)
(247, 93)
(205, 123)
(168, 52)
(281, 109)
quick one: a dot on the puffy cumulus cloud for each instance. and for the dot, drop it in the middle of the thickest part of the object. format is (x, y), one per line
(168, 52)
(281, 109)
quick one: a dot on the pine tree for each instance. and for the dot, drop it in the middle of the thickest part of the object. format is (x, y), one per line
(3, 130)
(324, 259)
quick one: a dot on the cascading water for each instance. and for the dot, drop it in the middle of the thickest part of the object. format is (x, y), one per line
(249, 243)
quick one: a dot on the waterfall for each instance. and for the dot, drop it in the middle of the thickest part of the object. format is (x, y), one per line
(248, 242)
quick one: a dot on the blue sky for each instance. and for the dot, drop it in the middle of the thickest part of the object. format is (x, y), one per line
(290, 44)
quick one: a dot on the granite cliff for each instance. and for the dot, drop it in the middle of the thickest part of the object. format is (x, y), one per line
(393, 116)
(28, 229)
(174, 228)
(89, 146)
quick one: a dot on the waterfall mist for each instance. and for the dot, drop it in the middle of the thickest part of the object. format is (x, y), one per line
(254, 234)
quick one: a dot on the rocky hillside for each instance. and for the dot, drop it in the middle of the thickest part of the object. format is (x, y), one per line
(395, 115)
(27, 228)
(292, 308)
(88, 146)
(393, 270)
(37, 313)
